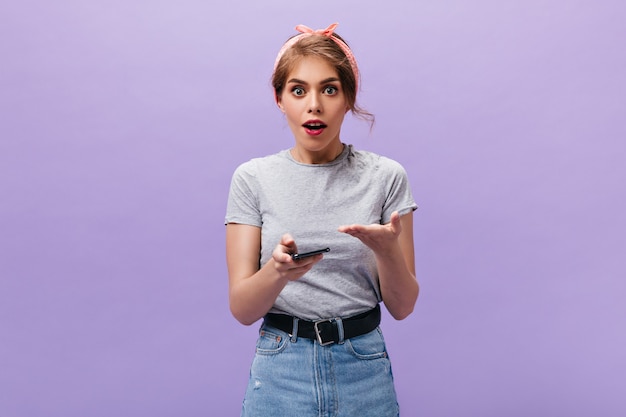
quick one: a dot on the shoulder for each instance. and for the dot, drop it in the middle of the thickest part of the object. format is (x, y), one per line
(257, 166)
(374, 161)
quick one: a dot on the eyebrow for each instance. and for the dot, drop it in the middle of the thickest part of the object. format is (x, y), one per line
(324, 81)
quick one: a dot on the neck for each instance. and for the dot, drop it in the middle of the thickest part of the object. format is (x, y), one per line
(317, 157)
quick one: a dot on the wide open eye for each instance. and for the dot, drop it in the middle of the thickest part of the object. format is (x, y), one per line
(297, 91)
(331, 90)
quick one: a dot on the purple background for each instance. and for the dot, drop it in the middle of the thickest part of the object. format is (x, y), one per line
(121, 123)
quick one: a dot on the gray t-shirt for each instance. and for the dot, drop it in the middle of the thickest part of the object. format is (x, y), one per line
(280, 195)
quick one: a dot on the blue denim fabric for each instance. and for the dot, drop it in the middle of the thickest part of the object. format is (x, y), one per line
(298, 377)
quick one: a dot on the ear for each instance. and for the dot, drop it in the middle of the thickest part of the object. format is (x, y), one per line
(279, 102)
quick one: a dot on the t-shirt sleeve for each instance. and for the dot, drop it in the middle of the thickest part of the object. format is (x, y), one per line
(243, 204)
(399, 196)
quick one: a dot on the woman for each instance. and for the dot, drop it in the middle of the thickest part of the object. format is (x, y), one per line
(320, 350)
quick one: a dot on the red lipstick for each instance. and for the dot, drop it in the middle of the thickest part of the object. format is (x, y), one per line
(314, 127)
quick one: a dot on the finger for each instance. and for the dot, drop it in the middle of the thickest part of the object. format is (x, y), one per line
(282, 251)
(395, 222)
(353, 228)
(348, 231)
(289, 244)
(343, 229)
(281, 256)
(287, 240)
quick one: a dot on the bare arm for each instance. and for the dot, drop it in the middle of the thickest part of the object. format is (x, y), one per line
(393, 247)
(253, 289)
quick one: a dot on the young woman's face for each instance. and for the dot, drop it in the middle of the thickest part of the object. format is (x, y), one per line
(314, 104)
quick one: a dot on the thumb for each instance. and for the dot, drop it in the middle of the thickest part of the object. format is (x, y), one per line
(288, 241)
(395, 222)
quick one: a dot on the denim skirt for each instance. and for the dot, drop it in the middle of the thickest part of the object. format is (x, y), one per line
(299, 377)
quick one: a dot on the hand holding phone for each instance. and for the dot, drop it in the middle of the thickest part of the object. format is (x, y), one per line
(298, 256)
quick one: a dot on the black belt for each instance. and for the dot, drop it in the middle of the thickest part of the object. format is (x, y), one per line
(327, 331)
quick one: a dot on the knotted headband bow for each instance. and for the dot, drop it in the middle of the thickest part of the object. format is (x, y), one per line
(328, 32)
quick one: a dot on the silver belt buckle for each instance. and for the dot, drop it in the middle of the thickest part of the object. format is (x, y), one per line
(318, 334)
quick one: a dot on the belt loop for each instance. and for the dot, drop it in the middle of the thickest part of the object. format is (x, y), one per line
(294, 331)
(339, 330)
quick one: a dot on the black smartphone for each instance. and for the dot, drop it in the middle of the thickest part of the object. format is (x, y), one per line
(297, 256)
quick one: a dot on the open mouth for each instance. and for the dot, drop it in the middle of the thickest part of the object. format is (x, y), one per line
(314, 126)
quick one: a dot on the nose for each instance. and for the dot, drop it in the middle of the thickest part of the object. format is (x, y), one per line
(315, 104)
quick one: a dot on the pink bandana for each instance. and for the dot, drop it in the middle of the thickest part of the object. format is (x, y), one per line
(328, 32)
